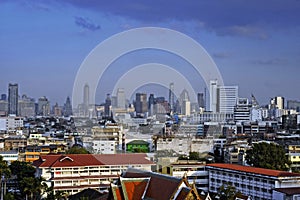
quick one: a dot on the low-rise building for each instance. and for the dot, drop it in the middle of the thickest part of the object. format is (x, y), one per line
(256, 182)
(75, 172)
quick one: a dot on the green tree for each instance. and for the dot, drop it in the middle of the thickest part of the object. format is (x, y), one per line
(77, 150)
(4, 172)
(228, 192)
(270, 156)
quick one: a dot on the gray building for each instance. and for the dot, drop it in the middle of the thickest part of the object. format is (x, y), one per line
(13, 99)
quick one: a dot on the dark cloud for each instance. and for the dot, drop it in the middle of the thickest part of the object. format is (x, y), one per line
(232, 17)
(275, 61)
(86, 23)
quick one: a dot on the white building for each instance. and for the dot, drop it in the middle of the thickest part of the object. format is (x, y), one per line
(227, 98)
(258, 183)
(76, 172)
(11, 123)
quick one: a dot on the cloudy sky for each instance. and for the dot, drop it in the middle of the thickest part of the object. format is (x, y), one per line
(255, 44)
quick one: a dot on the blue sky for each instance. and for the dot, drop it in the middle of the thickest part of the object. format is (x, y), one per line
(255, 44)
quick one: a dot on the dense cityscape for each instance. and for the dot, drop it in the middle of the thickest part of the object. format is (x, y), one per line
(151, 100)
(204, 144)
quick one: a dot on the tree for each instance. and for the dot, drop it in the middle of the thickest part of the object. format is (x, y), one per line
(267, 155)
(228, 192)
(4, 173)
(77, 150)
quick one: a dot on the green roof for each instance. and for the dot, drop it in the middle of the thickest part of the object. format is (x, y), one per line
(138, 142)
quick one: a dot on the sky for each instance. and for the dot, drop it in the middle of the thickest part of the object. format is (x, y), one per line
(255, 44)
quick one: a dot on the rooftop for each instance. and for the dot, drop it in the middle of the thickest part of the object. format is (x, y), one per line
(73, 160)
(254, 170)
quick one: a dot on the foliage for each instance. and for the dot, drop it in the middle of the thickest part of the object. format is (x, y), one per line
(9, 196)
(22, 169)
(228, 192)
(77, 150)
(4, 169)
(270, 156)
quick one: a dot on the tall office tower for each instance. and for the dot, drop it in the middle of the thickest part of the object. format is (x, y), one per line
(114, 101)
(86, 95)
(200, 99)
(213, 99)
(227, 99)
(121, 99)
(107, 106)
(141, 103)
(13, 99)
(68, 108)
(242, 110)
(186, 108)
(43, 106)
(26, 106)
(279, 102)
(171, 96)
(293, 104)
(151, 102)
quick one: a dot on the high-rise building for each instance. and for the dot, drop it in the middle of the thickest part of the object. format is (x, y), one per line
(227, 98)
(242, 110)
(26, 107)
(186, 108)
(13, 99)
(121, 99)
(68, 108)
(3, 97)
(86, 95)
(293, 104)
(200, 99)
(213, 99)
(171, 96)
(279, 102)
(151, 102)
(107, 107)
(141, 105)
(43, 106)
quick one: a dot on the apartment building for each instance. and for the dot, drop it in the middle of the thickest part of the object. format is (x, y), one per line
(258, 183)
(75, 172)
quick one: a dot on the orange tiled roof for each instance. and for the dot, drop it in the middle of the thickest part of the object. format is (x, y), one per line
(254, 170)
(134, 188)
(73, 160)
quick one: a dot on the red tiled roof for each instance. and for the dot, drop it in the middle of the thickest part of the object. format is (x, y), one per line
(160, 186)
(73, 160)
(117, 192)
(254, 170)
(134, 188)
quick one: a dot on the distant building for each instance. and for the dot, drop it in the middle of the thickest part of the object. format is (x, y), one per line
(292, 104)
(171, 96)
(213, 98)
(141, 105)
(227, 99)
(200, 99)
(68, 108)
(26, 107)
(242, 110)
(13, 96)
(107, 106)
(43, 106)
(121, 98)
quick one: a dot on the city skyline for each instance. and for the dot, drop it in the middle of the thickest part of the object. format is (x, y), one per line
(255, 44)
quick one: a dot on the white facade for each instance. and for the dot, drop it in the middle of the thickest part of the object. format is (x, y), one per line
(213, 85)
(11, 123)
(104, 147)
(227, 98)
(121, 99)
(255, 182)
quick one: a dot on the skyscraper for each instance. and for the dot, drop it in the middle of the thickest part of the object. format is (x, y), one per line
(43, 106)
(200, 98)
(141, 103)
(171, 96)
(121, 99)
(13, 99)
(86, 95)
(107, 107)
(213, 99)
(227, 99)
(68, 108)
(279, 102)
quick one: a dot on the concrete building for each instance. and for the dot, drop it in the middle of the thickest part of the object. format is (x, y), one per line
(141, 105)
(258, 183)
(213, 98)
(76, 172)
(171, 96)
(43, 106)
(227, 99)
(13, 97)
(26, 107)
(121, 98)
(11, 124)
(242, 110)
